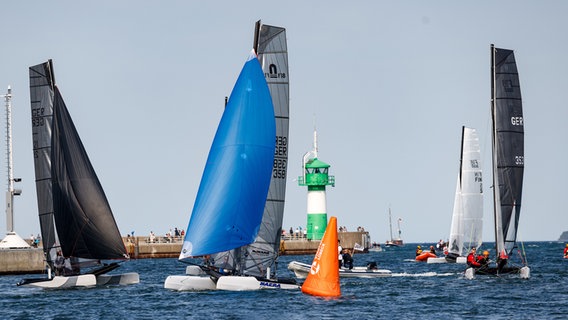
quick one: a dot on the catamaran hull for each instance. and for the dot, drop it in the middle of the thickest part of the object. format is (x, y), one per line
(60, 282)
(301, 271)
(118, 279)
(236, 283)
(189, 283)
(229, 283)
(523, 272)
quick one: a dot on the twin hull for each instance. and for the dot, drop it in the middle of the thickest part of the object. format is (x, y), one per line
(230, 283)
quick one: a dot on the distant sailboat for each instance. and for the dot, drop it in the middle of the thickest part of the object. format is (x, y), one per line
(77, 225)
(394, 242)
(508, 162)
(233, 222)
(467, 218)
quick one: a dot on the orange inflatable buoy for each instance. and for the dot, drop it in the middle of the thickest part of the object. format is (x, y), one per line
(323, 278)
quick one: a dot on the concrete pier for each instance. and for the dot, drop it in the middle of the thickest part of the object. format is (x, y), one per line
(292, 245)
(162, 247)
(22, 261)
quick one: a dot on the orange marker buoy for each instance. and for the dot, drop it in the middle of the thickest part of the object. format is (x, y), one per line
(323, 279)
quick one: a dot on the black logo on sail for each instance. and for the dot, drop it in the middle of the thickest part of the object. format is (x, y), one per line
(273, 72)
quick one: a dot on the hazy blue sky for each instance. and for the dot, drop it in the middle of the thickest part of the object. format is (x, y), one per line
(389, 84)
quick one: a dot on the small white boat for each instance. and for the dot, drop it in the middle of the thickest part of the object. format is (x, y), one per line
(301, 271)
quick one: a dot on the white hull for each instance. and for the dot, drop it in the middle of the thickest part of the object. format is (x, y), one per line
(469, 273)
(436, 260)
(194, 271)
(301, 271)
(461, 260)
(525, 273)
(189, 283)
(59, 282)
(118, 279)
(230, 283)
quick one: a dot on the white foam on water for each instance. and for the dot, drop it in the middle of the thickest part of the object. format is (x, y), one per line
(424, 274)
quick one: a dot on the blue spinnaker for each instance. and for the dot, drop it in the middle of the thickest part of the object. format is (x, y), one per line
(230, 201)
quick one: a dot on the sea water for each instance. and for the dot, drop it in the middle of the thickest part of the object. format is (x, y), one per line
(417, 290)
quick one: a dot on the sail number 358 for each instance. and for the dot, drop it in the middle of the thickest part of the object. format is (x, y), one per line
(280, 158)
(37, 117)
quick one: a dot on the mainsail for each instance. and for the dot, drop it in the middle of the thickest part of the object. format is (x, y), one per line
(270, 45)
(231, 197)
(75, 216)
(256, 258)
(467, 218)
(508, 147)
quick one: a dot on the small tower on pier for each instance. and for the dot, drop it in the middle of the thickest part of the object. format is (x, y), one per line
(12, 239)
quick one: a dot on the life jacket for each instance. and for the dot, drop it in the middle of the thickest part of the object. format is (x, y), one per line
(471, 260)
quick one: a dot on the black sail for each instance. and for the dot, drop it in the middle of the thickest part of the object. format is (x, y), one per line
(66, 180)
(508, 147)
(41, 98)
(83, 216)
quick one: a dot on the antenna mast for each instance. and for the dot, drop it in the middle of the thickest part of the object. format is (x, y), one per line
(9, 160)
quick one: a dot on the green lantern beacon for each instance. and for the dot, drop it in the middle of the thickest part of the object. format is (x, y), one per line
(316, 177)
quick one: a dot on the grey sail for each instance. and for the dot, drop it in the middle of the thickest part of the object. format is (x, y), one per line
(41, 98)
(255, 259)
(75, 216)
(508, 147)
(270, 45)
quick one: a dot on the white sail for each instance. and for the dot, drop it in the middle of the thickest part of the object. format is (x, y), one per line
(467, 219)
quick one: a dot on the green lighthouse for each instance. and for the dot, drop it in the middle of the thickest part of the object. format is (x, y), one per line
(316, 177)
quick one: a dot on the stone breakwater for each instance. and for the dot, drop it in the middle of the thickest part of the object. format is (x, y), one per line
(170, 247)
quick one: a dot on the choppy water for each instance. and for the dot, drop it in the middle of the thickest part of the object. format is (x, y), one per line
(416, 291)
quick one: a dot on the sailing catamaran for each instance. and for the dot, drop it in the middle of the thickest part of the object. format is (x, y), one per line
(508, 162)
(77, 225)
(248, 264)
(467, 218)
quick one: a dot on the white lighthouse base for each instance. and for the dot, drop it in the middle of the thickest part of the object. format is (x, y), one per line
(13, 241)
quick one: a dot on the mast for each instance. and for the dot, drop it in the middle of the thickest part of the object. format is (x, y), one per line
(256, 36)
(494, 153)
(390, 223)
(461, 155)
(9, 161)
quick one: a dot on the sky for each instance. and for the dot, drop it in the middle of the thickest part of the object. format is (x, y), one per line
(387, 84)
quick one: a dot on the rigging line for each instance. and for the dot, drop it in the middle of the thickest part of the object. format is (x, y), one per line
(524, 253)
